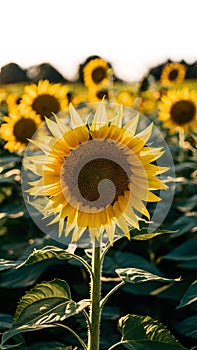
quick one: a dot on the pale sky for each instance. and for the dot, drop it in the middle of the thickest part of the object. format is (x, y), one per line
(133, 35)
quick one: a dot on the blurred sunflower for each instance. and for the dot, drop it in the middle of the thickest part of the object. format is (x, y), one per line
(3, 97)
(96, 176)
(13, 100)
(45, 98)
(96, 73)
(178, 109)
(97, 95)
(126, 98)
(17, 128)
(173, 73)
(147, 102)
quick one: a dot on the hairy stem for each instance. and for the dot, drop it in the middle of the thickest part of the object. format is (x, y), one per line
(95, 294)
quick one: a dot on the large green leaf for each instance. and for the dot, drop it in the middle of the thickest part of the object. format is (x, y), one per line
(190, 296)
(46, 253)
(134, 275)
(43, 306)
(185, 255)
(142, 332)
(187, 327)
(43, 291)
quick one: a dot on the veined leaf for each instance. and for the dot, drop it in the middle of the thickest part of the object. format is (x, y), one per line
(43, 291)
(134, 275)
(43, 306)
(46, 253)
(142, 332)
(143, 234)
(190, 296)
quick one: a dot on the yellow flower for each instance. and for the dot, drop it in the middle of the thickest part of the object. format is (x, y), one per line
(45, 98)
(97, 95)
(13, 100)
(172, 74)
(178, 109)
(96, 73)
(126, 98)
(95, 176)
(17, 128)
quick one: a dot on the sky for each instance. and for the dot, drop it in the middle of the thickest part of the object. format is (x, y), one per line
(133, 35)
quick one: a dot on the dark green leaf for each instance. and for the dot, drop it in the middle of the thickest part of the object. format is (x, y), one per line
(145, 333)
(185, 255)
(190, 296)
(43, 306)
(43, 291)
(49, 346)
(46, 253)
(187, 327)
(134, 275)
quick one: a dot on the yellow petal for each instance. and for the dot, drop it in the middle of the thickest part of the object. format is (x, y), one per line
(76, 119)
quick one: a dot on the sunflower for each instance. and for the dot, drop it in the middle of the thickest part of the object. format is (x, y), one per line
(126, 98)
(45, 98)
(13, 100)
(98, 94)
(178, 109)
(95, 176)
(96, 73)
(17, 128)
(173, 73)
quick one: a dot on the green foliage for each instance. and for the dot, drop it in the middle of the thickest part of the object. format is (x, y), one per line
(133, 275)
(139, 332)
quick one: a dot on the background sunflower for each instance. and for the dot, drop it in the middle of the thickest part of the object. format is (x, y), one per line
(45, 98)
(178, 110)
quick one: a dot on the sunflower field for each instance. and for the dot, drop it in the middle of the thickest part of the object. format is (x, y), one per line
(59, 139)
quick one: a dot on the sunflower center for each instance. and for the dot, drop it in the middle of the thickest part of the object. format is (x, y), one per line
(95, 174)
(97, 170)
(173, 74)
(45, 105)
(98, 74)
(182, 112)
(24, 129)
(102, 93)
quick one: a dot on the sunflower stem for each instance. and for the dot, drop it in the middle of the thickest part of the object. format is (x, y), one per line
(95, 294)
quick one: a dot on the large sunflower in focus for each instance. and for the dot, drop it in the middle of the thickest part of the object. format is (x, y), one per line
(173, 73)
(17, 128)
(45, 98)
(96, 73)
(178, 110)
(97, 176)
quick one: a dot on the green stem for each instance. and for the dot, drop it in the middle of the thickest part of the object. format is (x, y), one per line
(95, 294)
(103, 301)
(118, 344)
(83, 261)
(75, 334)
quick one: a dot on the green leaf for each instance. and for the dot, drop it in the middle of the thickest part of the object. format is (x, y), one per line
(134, 275)
(142, 332)
(187, 327)
(46, 253)
(143, 235)
(43, 306)
(49, 346)
(190, 296)
(185, 255)
(43, 291)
